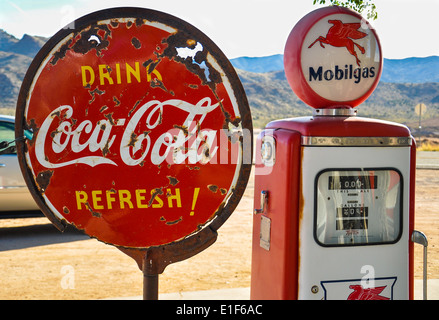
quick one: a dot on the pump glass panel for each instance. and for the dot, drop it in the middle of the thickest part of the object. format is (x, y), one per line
(358, 206)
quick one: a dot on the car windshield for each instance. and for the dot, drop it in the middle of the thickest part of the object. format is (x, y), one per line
(7, 131)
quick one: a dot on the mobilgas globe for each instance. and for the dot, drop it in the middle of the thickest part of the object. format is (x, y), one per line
(334, 60)
(340, 57)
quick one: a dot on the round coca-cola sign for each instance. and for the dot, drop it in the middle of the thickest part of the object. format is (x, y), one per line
(141, 130)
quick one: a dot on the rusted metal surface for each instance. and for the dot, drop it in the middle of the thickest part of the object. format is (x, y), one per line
(154, 260)
(142, 134)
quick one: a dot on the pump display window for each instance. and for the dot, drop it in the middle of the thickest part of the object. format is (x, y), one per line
(358, 206)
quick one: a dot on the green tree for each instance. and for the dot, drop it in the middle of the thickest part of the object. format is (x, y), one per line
(364, 7)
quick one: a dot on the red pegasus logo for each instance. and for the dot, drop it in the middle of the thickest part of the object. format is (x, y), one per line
(361, 293)
(341, 35)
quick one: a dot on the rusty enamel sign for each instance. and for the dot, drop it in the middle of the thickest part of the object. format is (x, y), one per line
(142, 132)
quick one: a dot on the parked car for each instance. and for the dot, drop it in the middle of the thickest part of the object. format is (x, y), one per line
(14, 194)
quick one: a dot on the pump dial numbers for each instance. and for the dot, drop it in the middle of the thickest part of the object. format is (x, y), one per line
(352, 182)
(358, 206)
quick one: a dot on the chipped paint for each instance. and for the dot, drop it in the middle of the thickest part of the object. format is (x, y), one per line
(136, 43)
(182, 48)
(93, 213)
(170, 223)
(43, 180)
(155, 193)
(172, 180)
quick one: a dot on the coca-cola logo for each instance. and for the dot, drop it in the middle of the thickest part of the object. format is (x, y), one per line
(141, 131)
(98, 138)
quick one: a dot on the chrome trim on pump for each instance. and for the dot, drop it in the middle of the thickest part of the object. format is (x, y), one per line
(339, 112)
(356, 141)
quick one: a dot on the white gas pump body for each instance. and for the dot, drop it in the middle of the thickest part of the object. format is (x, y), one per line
(337, 210)
(345, 270)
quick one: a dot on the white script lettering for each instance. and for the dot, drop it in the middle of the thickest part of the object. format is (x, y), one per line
(100, 138)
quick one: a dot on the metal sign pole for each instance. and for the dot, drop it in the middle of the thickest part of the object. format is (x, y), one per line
(150, 277)
(153, 261)
(150, 286)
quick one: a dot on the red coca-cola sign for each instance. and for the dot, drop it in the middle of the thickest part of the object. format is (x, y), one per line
(141, 129)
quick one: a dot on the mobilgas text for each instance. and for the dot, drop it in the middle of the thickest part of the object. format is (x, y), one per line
(337, 73)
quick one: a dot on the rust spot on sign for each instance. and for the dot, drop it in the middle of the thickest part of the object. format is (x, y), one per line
(156, 83)
(43, 179)
(106, 149)
(154, 194)
(136, 43)
(170, 223)
(133, 140)
(32, 127)
(93, 213)
(172, 180)
(109, 116)
(182, 128)
(194, 58)
(93, 94)
(92, 38)
(139, 22)
(61, 53)
(150, 65)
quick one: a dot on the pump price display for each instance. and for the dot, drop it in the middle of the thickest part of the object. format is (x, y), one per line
(352, 218)
(357, 207)
(352, 182)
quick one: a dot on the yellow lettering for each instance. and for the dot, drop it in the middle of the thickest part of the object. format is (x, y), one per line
(157, 203)
(139, 198)
(110, 199)
(134, 72)
(81, 197)
(84, 70)
(175, 197)
(155, 71)
(118, 79)
(125, 198)
(104, 75)
(95, 196)
(115, 73)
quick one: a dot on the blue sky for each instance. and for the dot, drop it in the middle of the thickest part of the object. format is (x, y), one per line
(239, 27)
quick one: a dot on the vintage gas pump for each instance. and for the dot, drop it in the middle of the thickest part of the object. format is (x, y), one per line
(334, 192)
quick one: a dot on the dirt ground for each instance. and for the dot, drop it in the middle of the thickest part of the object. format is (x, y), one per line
(80, 268)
